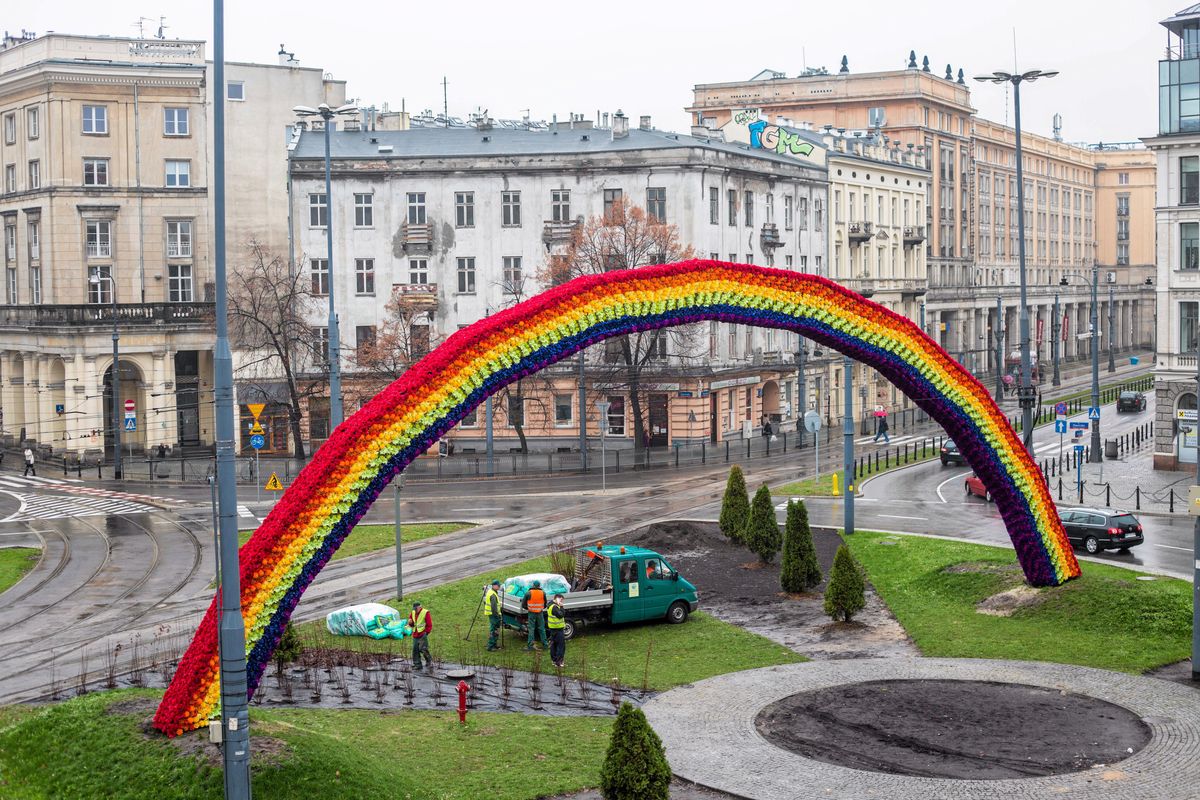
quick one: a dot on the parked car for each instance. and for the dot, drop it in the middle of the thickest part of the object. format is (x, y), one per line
(1131, 401)
(974, 486)
(950, 453)
(1101, 528)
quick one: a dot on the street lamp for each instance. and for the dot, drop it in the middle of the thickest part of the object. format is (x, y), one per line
(602, 406)
(1027, 395)
(95, 280)
(802, 388)
(335, 379)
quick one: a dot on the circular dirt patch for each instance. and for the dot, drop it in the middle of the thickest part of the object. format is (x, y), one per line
(972, 730)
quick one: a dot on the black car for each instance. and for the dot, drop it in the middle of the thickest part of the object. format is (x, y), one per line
(1131, 401)
(1101, 528)
(950, 453)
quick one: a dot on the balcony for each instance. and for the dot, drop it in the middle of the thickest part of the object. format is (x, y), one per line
(101, 314)
(99, 250)
(1122, 236)
(417, 296)
(769, 236)
(913, 235)
(859, 231)
(179, 250)
(416, 237)
(558, 233)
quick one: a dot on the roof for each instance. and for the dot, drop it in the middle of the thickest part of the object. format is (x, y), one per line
(1177, 23)
(466, 142)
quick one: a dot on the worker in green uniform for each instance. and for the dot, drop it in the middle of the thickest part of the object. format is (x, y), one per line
(556, 622)
(491, 610)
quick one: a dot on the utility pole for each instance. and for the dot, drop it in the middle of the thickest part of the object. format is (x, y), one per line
(802, 387)
(1054, 343)
(1112, 365)
(583, 459)
(235, 717)
(848, 447)
(491, 451)
(397, 485)
(1196, 555)
(1096, 456)
(999, 348)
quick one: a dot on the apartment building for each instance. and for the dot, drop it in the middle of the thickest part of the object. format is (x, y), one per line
(457, 223)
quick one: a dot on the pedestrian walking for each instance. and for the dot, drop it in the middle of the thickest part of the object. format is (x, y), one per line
(491, 610)
(29, 467)
(556, 622)
(422, 625)
(881, 429)
(534, 604)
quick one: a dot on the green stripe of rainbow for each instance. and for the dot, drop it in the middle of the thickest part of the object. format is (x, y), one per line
(362, 456)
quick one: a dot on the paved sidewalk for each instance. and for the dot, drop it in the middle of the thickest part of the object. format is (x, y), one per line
(711, 739)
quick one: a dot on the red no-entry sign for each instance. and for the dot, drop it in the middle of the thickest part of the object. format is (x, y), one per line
(129, 405)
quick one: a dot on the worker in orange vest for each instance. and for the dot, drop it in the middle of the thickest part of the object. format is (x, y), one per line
(535, 604)
(422, 625)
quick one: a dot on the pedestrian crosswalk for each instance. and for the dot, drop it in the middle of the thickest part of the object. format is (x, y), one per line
(55, 498)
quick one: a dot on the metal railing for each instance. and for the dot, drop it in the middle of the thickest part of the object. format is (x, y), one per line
(98, 313)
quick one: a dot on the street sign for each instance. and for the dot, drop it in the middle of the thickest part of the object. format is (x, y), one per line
(131, 423)
(1060, 409)
(60, 409)
(1094, 412)
(256, 429)
(130, 405)
(256, 409)
(273, 483)
(1186, 414)
(1078, 434)
(812, 422)
(1060, 426)
(1079, 448)
(1078, 426)
(257, 441)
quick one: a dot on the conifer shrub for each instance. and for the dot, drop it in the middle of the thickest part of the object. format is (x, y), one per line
(762, 531)
(735, 506)
(845, 595)
(635, 767)
(800, 571)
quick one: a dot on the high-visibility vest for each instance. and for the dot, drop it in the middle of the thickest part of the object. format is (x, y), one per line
(418, 621)
(487, 601)
(556, 618)
(537, 601)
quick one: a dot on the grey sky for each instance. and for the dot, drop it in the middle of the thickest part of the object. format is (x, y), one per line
(644, 57)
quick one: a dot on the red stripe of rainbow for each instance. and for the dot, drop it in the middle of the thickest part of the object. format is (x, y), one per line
(362, 456)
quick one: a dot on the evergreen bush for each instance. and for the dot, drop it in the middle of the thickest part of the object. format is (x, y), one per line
(635, 767)
(762, 531)
(845, 595)
(289, 647)
(800, 571)
(735, 506)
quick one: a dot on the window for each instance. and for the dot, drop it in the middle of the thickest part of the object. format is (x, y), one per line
(100, 291)
(1188, 313)
(10, 177)
(35, 174)
(1123, 178)
(318, 211)
(1122, 205)
(175, 122)
(562, 409)
(95, 120)
(510, 209)
(464, 209)
(616, 415)
(466, 275)
(179, 283)
(714, 205)
(731, 199)
(319, 272)
(33, 120)
(818, 216)
(179, 173)
(99, 238)
(656, 202)
(418, 270)
(770, 208)
(560, 205)
(235, 90)
(802, 212)
(658, 346)
(512, 275)
(1189, 245)
(1189, 180)
(787, 212)
(320, 345)
(788, 261)
(516, 411)
(10, 286)
(748, 207)
(612, 202)
(1122, 254)
(416, 208)
(35, 285)
(817, 263)
(10, 243)
(318, 416)
(364, 337)
(179, 238)
(364, 211)
(364, 276)
(470, 419)
(35, 240)
(10, 128)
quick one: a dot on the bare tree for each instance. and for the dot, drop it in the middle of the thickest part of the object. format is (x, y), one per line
(626, 237)
(404, 337)
(269, 308)
(532, 389)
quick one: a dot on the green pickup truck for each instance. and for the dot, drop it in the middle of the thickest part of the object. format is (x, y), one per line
(616, 584)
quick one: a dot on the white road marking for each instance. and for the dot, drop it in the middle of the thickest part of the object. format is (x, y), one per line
(896, 516)
(943, 483)
(1173, 547)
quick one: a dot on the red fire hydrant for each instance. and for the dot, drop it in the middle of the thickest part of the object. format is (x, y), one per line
(463, 688)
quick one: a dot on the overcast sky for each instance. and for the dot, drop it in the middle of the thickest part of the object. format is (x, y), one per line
(645, 57)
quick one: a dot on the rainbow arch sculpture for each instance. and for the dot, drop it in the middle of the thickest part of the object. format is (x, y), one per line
(349, 472)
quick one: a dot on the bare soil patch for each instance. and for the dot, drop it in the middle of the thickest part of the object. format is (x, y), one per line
(1003, 604)
(971, 730)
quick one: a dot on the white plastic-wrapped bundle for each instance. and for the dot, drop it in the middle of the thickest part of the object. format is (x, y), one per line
(552, 584)
(352, 620)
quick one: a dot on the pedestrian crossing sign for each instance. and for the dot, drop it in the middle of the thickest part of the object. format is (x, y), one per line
(273, 483)
(131, 423)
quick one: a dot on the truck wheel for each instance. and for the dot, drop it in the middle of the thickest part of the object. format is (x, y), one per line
(569, 629)
(677, 613)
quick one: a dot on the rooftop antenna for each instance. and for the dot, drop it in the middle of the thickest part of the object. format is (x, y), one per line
(162, 26)
(803, 60)
(445, 102)
(141, 27)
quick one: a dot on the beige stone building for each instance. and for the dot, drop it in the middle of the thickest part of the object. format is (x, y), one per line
(1125, 175)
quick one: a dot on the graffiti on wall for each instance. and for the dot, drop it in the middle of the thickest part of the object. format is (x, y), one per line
(773, 138)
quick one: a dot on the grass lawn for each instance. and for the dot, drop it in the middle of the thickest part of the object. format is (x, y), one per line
(678, 654)
(15, 562)
(1105, 619)
(822, 486)
(366, 538)
(79, 750)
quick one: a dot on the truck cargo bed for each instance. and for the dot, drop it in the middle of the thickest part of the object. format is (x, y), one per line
(572, 601)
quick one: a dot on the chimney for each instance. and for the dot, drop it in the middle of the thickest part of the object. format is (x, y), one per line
(644, 122)
(620, 126)
(604, 124)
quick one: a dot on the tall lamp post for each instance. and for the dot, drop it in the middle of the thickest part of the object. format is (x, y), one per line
(1026, 394)
(96, 280)
(602, 407)
(1095, 456)
(1055, 345)
(802, 389)
(335, 377)
(1112, 365)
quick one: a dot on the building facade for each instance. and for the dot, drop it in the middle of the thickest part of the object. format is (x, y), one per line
(1176, 149)
(454, 224)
